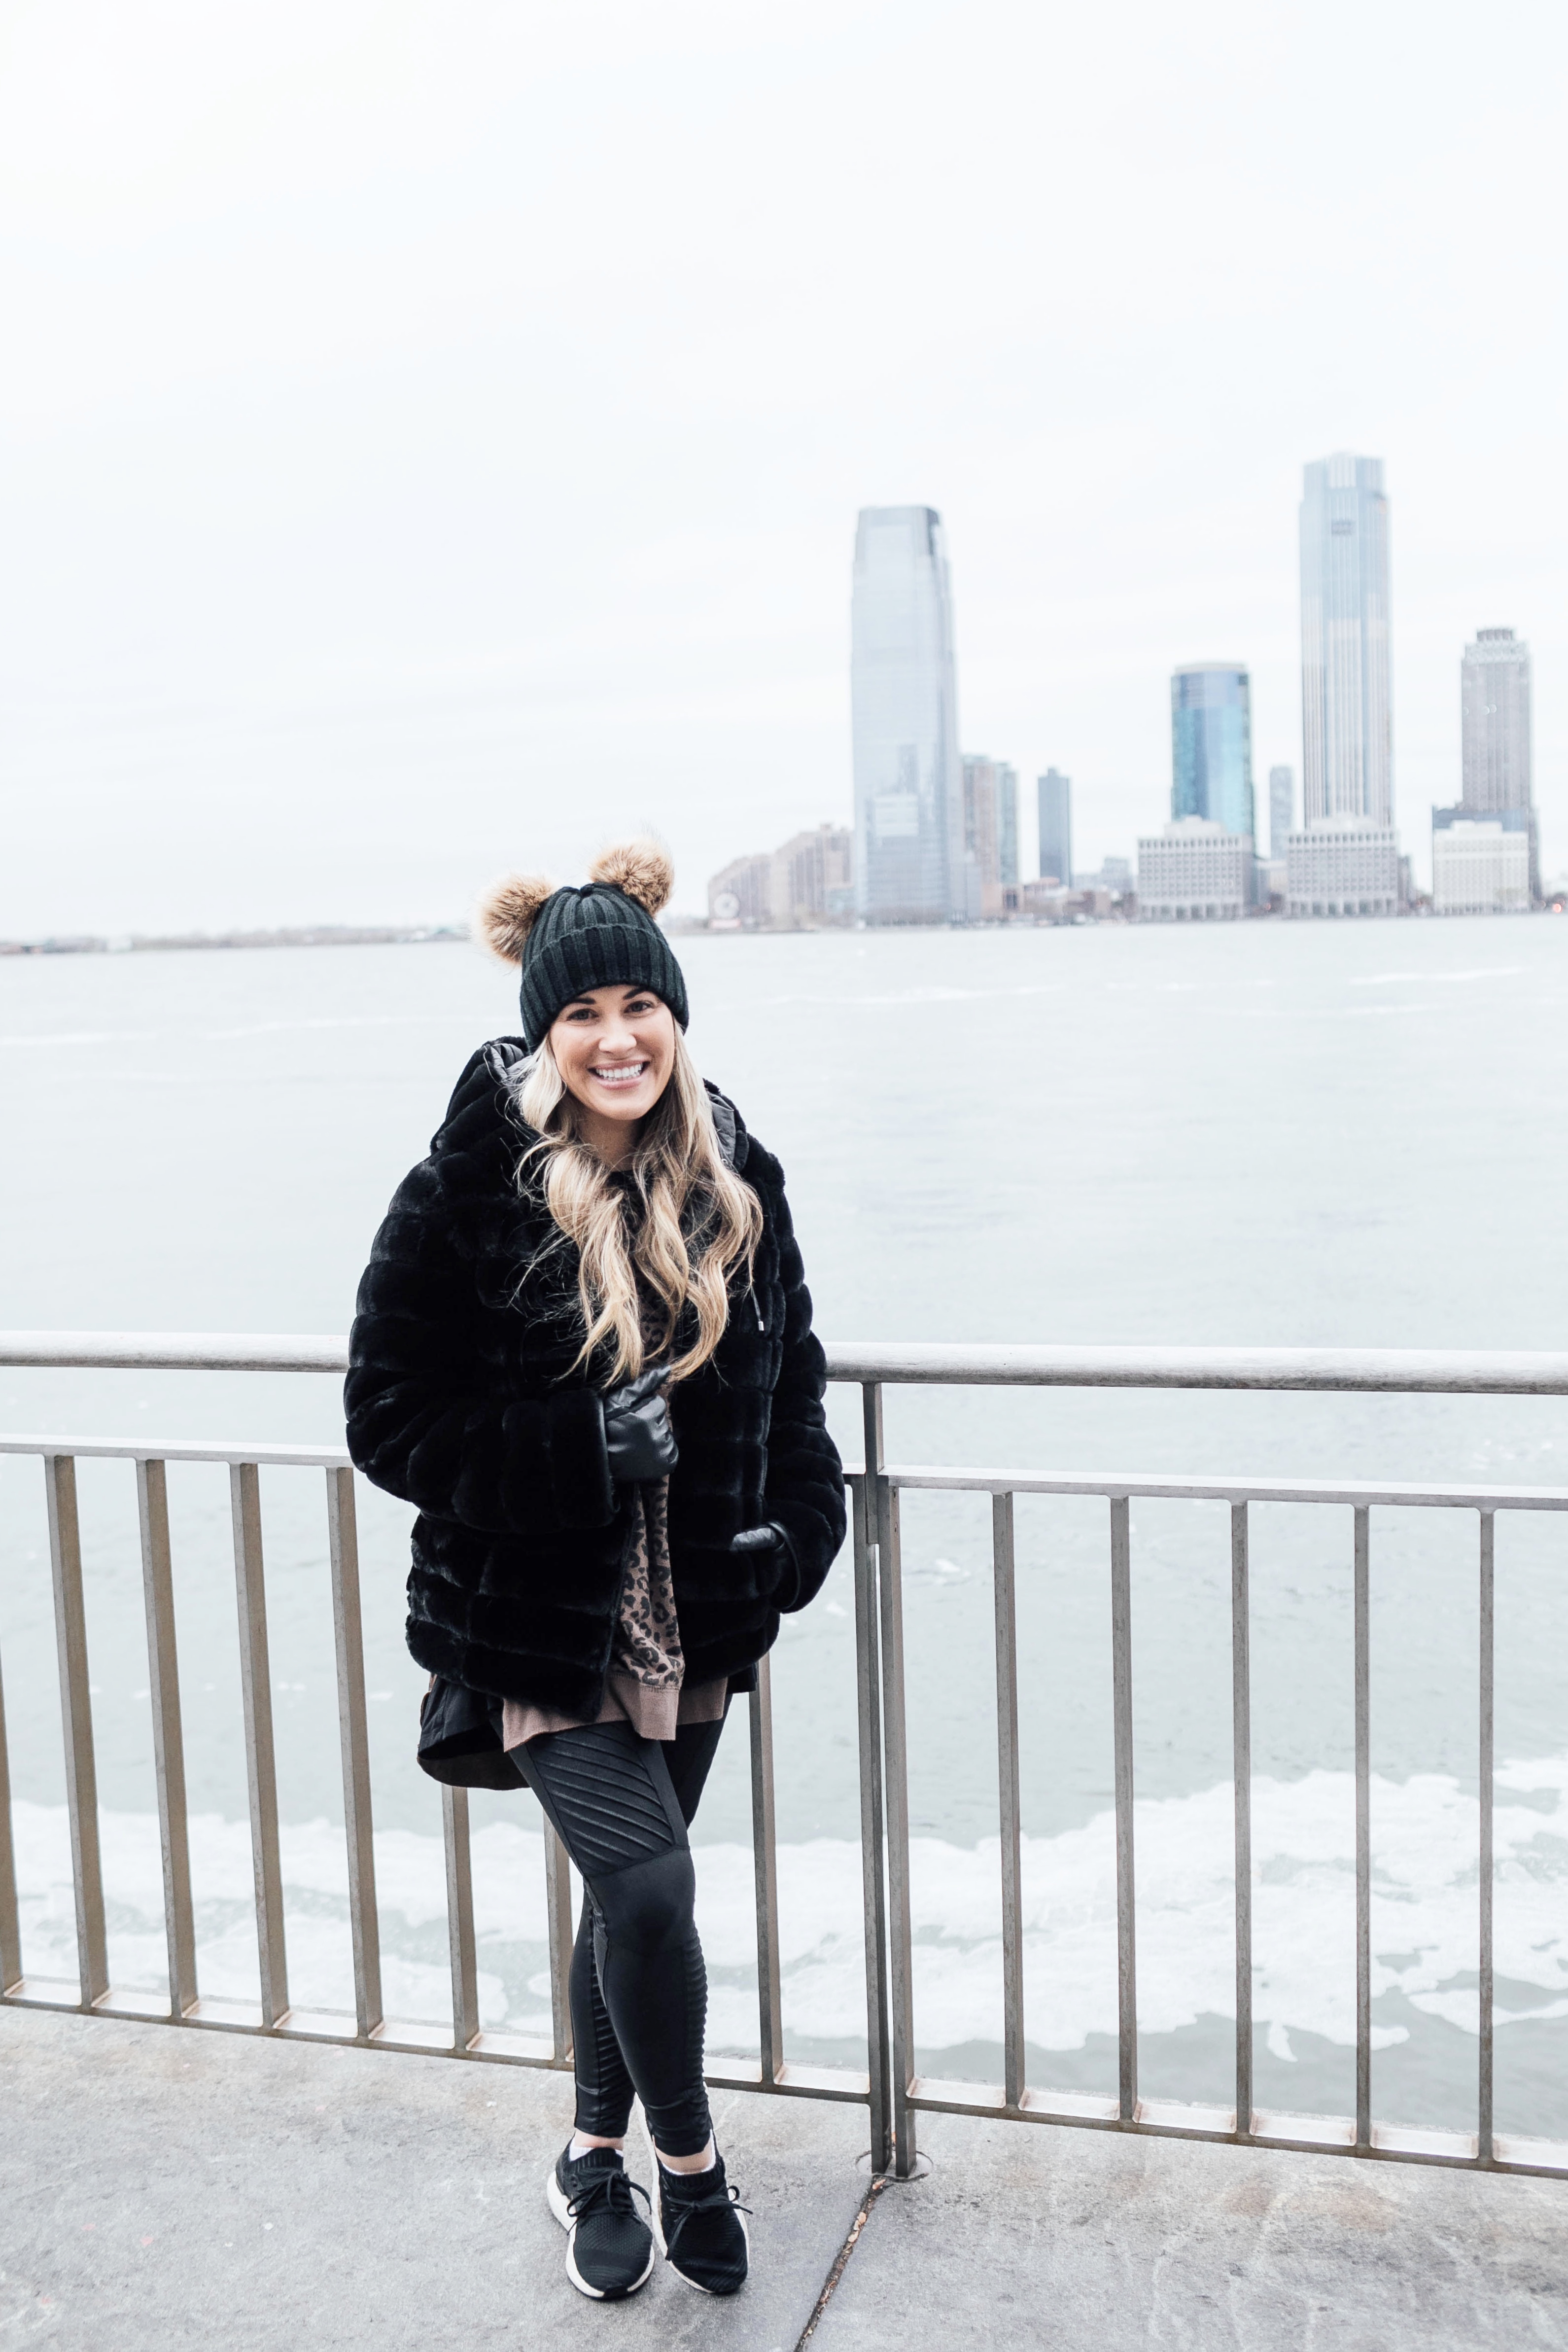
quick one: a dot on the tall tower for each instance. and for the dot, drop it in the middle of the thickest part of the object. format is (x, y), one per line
(910, 864)
(1056, 826)
(1494, 702)
(1282, 808)
(1211, 745)
(1346, 716)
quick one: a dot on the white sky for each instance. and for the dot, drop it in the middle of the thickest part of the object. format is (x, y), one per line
(434, 433)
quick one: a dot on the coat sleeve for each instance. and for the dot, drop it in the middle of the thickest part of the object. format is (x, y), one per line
(429, 1417)
(805, 1488)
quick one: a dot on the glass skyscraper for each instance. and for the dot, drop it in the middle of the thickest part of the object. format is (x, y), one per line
(1211, 746)
(1056, 826)
(1494, 710)
(1347, 734)
(910, 864)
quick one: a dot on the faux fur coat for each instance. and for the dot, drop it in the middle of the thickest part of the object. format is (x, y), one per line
(462, 1398)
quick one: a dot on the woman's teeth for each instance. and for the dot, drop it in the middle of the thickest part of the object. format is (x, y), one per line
(621, 1074)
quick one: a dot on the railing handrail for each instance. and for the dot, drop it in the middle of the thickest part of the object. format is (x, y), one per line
(1400, 1371)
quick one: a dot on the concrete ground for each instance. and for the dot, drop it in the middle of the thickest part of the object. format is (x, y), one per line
(166, 2188)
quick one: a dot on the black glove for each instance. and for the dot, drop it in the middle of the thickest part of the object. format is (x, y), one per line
(768, 1549)
(638, 1437)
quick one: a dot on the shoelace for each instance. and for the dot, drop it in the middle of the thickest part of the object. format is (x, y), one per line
(720, 2200)
(611, 2190)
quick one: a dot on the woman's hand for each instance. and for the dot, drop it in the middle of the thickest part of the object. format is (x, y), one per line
(638, 1437)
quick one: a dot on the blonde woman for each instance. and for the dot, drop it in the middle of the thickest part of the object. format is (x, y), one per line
(583, 1349)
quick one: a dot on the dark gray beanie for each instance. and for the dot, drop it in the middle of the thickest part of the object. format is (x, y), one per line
(600, 935)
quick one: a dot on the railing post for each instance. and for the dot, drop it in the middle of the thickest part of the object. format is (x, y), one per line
(1242, 1768)
(765, 1870)
(365, 1920)
(168, 1737)
(261, 1771)
(1008, 1794)
(76, 1717)
(558, 1914)
(460, 1919)
(1486, 1989)
(1122, 1718)
(10, 1922)
(1363, 1832)
(896, 1786)
(868, 1707)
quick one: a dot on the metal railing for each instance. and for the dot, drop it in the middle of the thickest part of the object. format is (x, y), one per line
(890, 2087)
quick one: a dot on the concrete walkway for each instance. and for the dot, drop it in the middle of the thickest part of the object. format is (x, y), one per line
(162, 2188)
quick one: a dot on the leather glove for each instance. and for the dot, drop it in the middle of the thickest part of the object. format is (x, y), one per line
(768, 1550)
(638, 1437)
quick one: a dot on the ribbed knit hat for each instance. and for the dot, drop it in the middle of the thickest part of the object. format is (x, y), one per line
(600, 935)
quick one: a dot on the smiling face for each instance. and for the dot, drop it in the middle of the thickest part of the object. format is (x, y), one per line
(615, 1048)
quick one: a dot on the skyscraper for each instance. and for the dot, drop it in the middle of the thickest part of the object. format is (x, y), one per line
(1282, 808)
(981, 817)
(910, 864)
(1211, 746)
(1494, 711)
(1056, 826)
(1494, 697)
(1346, 720)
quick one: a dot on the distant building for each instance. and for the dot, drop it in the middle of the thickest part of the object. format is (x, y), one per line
(812, 878)
(981, 842)
(1194, 871)
(1494, 706)
(739, 896)
(1343, 867)
(909, 814)
(1007, 823)
(1211, 745)
(1055, 792)
(1347, 738)
(1282, 809)
(1480, 864)
(808, 881)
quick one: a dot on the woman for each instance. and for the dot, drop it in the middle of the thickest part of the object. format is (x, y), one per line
(583, 1348)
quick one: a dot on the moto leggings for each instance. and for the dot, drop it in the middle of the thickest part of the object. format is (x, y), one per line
(622, 1806)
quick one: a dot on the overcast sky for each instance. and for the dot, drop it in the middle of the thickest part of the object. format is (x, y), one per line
(434, 433)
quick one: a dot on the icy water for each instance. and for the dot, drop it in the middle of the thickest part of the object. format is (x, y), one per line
(1321, 1134)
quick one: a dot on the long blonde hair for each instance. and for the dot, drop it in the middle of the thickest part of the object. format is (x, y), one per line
(687, 1222)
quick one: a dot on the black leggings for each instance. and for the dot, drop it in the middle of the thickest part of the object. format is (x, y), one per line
(622, 1806)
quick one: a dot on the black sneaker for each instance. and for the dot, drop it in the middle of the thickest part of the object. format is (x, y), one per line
(702, 2233)
(609, 2246)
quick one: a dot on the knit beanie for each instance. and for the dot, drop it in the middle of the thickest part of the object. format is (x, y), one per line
(599, 935)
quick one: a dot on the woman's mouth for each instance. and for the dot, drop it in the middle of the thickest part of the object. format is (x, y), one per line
(618, 1074)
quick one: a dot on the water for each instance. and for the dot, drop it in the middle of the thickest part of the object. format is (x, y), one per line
(1340, 1134)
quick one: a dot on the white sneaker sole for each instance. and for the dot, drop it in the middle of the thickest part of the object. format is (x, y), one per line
(558, 2206)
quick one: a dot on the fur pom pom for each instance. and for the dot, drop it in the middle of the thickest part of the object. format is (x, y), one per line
(642, 869)
(505, 913)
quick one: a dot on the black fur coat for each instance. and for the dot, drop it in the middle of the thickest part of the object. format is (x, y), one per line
(462, 1399)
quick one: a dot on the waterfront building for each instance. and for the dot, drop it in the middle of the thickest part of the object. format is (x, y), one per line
(1055, 792)
(809, 880)
(1194, 871)
(1282, 809)
(1494, 707)
(1480, 863)
(1211, 745)
(1347, 738)
(739, 896)
(1343, 866)
(909, 857)
(1007, 823)
(981, 841)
